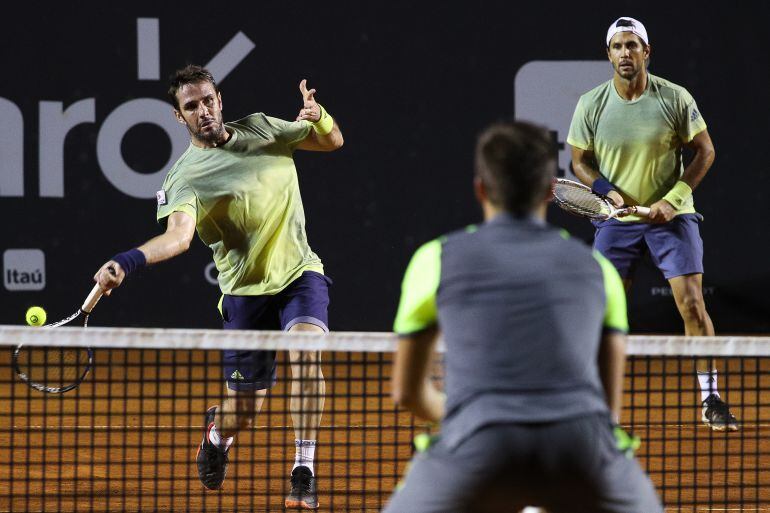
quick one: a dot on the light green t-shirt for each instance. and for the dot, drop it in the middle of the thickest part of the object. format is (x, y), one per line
(245, 199)
(638, 143)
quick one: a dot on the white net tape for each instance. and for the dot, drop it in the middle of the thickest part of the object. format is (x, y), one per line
(382, 342)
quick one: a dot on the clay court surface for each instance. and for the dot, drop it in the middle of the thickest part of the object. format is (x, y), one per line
(126, 439)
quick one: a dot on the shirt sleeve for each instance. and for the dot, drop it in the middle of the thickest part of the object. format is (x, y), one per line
(176, 196)
(290, 133)
(581, 134)
(615, 314)
(417, 308)
(691, 122)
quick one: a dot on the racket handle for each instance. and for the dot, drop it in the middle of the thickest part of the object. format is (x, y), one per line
(643, 211)
(92, 299)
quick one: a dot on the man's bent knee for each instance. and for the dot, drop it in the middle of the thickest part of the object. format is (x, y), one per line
(693, 310)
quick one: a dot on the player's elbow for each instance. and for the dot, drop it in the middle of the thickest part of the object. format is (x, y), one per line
(705, 151)
(335, 143)
(184, 245)
(183, 241)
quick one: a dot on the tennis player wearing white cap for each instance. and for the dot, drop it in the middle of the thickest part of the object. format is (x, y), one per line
(627, 136)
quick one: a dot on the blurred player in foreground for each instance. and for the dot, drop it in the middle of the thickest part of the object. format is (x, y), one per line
(237, 185)
(627, 136)
(534, 326)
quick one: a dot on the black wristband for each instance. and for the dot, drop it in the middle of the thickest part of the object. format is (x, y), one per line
(130, 260)
(602, 186)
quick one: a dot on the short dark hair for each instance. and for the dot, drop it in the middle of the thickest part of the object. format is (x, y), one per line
(190, 74)
(516, 162)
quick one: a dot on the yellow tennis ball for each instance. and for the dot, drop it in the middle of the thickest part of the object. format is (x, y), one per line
(422, 442)
(36, 316)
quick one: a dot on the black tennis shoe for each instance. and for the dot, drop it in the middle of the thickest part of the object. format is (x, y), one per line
(212, 461)
(303, 493)
(717, 415)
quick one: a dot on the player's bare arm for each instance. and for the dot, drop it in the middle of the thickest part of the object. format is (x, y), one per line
(411, 386)
(311, 111)
(174, 241)
(612, 362)
(662, 211)
(703, 157)
(584, 167)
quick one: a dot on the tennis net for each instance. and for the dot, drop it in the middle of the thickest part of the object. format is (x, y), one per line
(126, 438)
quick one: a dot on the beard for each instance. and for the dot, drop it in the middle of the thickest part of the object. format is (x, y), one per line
(627, 72)
(212, 134)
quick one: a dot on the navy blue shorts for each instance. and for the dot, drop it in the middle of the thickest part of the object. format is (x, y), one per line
(675, 247)
(306, 300)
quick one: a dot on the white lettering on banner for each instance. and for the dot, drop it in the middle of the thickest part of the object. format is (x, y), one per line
(114, 167)
(56, 122)
(147, 49)
(54, 125)
(667, 292)
(546, 93)
(11, 150)
(228, 57)
(210, 273)
(23, 269)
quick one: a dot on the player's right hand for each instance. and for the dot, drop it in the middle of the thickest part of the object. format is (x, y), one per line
(109, 276)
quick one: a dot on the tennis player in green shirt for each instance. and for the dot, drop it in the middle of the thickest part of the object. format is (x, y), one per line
(236, 185)
(627, 136)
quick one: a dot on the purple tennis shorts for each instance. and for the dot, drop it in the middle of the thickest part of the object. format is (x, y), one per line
(675, 247)
(306, 300)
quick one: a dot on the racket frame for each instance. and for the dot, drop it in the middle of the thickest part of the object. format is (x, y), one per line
(614, 212)
(85, 310)
(48, 389)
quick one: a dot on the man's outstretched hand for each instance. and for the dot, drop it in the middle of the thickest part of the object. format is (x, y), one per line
(310, 110)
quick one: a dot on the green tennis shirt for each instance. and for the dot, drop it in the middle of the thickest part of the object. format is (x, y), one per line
(637, 143)
(245, 199)
(418, 309)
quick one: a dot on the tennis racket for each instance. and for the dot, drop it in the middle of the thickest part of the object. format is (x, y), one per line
(56, 370)
(580, 200)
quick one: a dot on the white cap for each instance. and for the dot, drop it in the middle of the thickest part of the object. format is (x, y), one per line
(626, 24)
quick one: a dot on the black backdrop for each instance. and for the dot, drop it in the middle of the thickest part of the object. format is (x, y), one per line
(410, 84)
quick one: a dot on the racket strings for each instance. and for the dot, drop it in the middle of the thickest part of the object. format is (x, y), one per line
(54, 369)
(580, 201)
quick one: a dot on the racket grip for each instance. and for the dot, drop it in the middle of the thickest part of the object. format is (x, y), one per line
(643, 211)
(93, 297)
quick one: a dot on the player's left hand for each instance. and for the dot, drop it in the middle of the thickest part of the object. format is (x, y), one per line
(662, 211)
(310, 110)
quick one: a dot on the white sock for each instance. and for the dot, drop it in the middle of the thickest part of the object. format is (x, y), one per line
(708, 384)
(304, 454)
(216, 439)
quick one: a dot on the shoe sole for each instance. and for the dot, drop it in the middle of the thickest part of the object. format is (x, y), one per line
(298, 504)
(204, 485)
(720, 427)
(197, 453)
